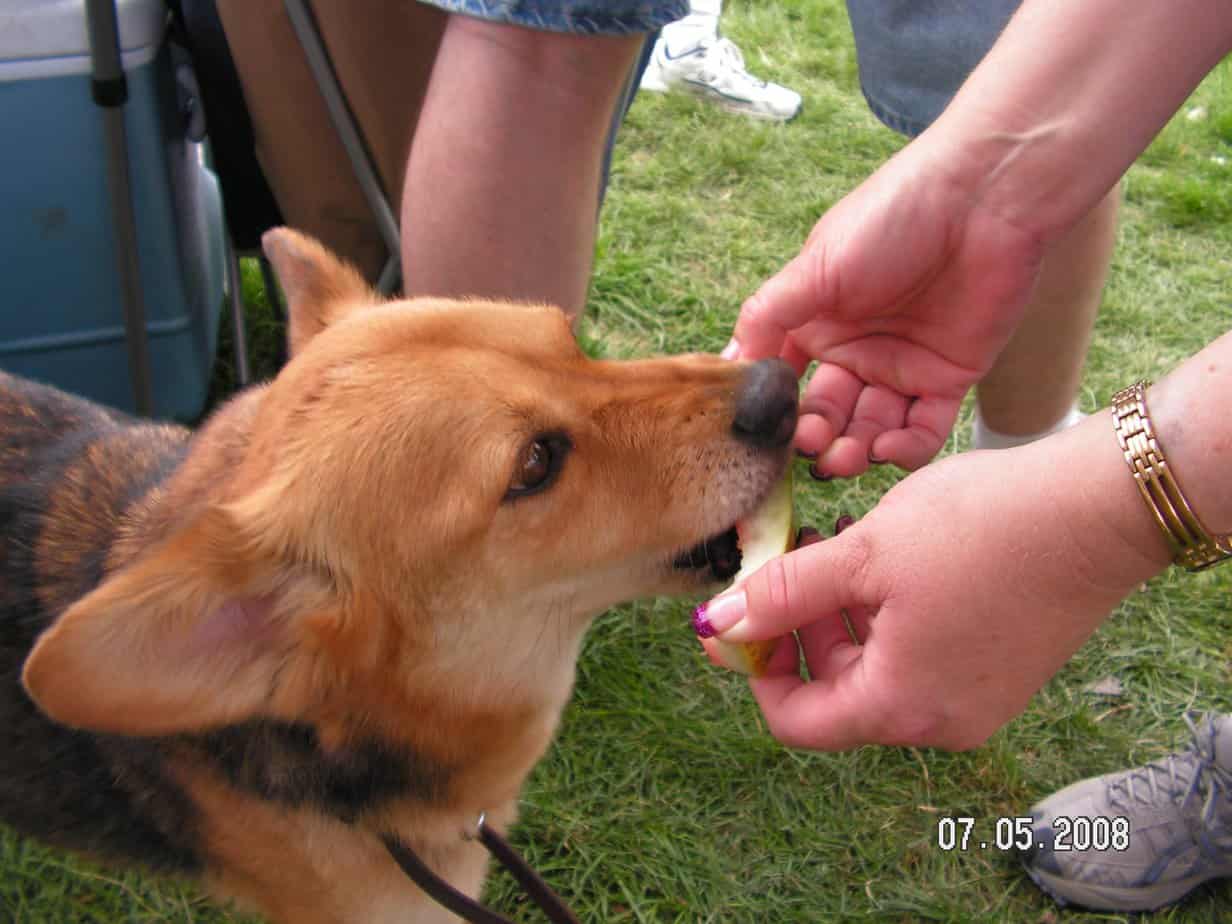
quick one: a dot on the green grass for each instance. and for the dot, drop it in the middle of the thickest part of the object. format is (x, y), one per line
(664, 799)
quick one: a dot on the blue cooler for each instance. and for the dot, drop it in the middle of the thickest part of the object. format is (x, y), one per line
(61, 308)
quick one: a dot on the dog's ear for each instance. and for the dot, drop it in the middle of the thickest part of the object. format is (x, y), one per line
(197, 633)
(320, 288)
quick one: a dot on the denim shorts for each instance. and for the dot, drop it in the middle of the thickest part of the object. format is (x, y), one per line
(584, 17)
(915, 54)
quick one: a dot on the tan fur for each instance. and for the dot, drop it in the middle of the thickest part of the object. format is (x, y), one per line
(336, 873)
(337, 550)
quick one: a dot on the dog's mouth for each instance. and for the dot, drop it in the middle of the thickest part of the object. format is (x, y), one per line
(761, 533)
(720, 554)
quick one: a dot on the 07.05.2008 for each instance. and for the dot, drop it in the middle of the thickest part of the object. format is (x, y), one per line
(1077, 832)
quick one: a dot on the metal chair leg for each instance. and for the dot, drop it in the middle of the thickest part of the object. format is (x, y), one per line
(340, 114)
(235, 285)
(110, 90)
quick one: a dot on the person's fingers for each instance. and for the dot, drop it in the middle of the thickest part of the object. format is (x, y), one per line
(905, 365)
(928, 425)
(795, 355)
(793, 590)
(826, 715)
(826, 409)
(846, 457)
(827, 645)
(877, 411)
(825, 710)
(807, 535)
(832, 393)
(787, 300)
(711, 647)
(813, 437)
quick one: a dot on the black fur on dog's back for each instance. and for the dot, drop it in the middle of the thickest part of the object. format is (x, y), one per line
(99, 794)
(71, 474)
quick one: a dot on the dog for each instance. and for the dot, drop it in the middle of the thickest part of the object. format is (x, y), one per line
(353, 601)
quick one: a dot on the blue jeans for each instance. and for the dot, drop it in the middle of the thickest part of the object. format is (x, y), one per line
(915, 54)
(585, 17)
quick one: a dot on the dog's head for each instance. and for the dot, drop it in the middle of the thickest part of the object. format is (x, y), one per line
(431, 495)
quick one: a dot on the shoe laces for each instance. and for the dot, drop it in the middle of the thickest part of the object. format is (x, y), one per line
(724, 57)
(1186, 778)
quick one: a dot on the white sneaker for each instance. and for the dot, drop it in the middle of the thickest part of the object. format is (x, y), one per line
(713, 69)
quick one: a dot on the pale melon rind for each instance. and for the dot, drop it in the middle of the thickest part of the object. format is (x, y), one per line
(748, 658)
(767, 534)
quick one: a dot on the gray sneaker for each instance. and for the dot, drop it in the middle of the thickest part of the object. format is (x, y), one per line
(1143, 838)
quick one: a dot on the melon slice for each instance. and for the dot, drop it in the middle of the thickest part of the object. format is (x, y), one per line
(766, 534)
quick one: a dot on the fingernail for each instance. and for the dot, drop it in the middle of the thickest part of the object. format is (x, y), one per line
(876, 460)
(806, 455)
(732, 350)
(807, 535)
(701, 622)
(819, 474)
(843, 522)
(720, 614)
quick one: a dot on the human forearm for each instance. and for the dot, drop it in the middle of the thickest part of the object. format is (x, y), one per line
(1189, 409)
(1069, 96)
(1111, 524)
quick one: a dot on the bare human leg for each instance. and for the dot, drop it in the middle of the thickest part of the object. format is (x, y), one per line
(501, 193)
(1033, 386)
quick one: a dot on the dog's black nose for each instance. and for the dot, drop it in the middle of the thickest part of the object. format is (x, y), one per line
(766, 406)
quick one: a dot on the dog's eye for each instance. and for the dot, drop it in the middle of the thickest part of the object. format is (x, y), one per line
(538, 465)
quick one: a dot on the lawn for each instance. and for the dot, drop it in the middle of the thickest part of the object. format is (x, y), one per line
(664, 799)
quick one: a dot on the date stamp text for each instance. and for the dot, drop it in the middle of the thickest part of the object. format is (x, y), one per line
(1069, 833)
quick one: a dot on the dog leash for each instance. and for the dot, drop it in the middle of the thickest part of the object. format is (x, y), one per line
(463, 905)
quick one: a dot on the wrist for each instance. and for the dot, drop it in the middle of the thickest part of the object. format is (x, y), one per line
(1194, 546)
(1194, 429)
(1112, 524)
(1106, 522)
(1070, 95)
(1019, 167)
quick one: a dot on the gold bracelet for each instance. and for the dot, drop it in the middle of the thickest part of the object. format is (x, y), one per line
(1192, 546)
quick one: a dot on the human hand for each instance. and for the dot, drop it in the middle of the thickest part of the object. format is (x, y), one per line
(968, 586)
(905, 291)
